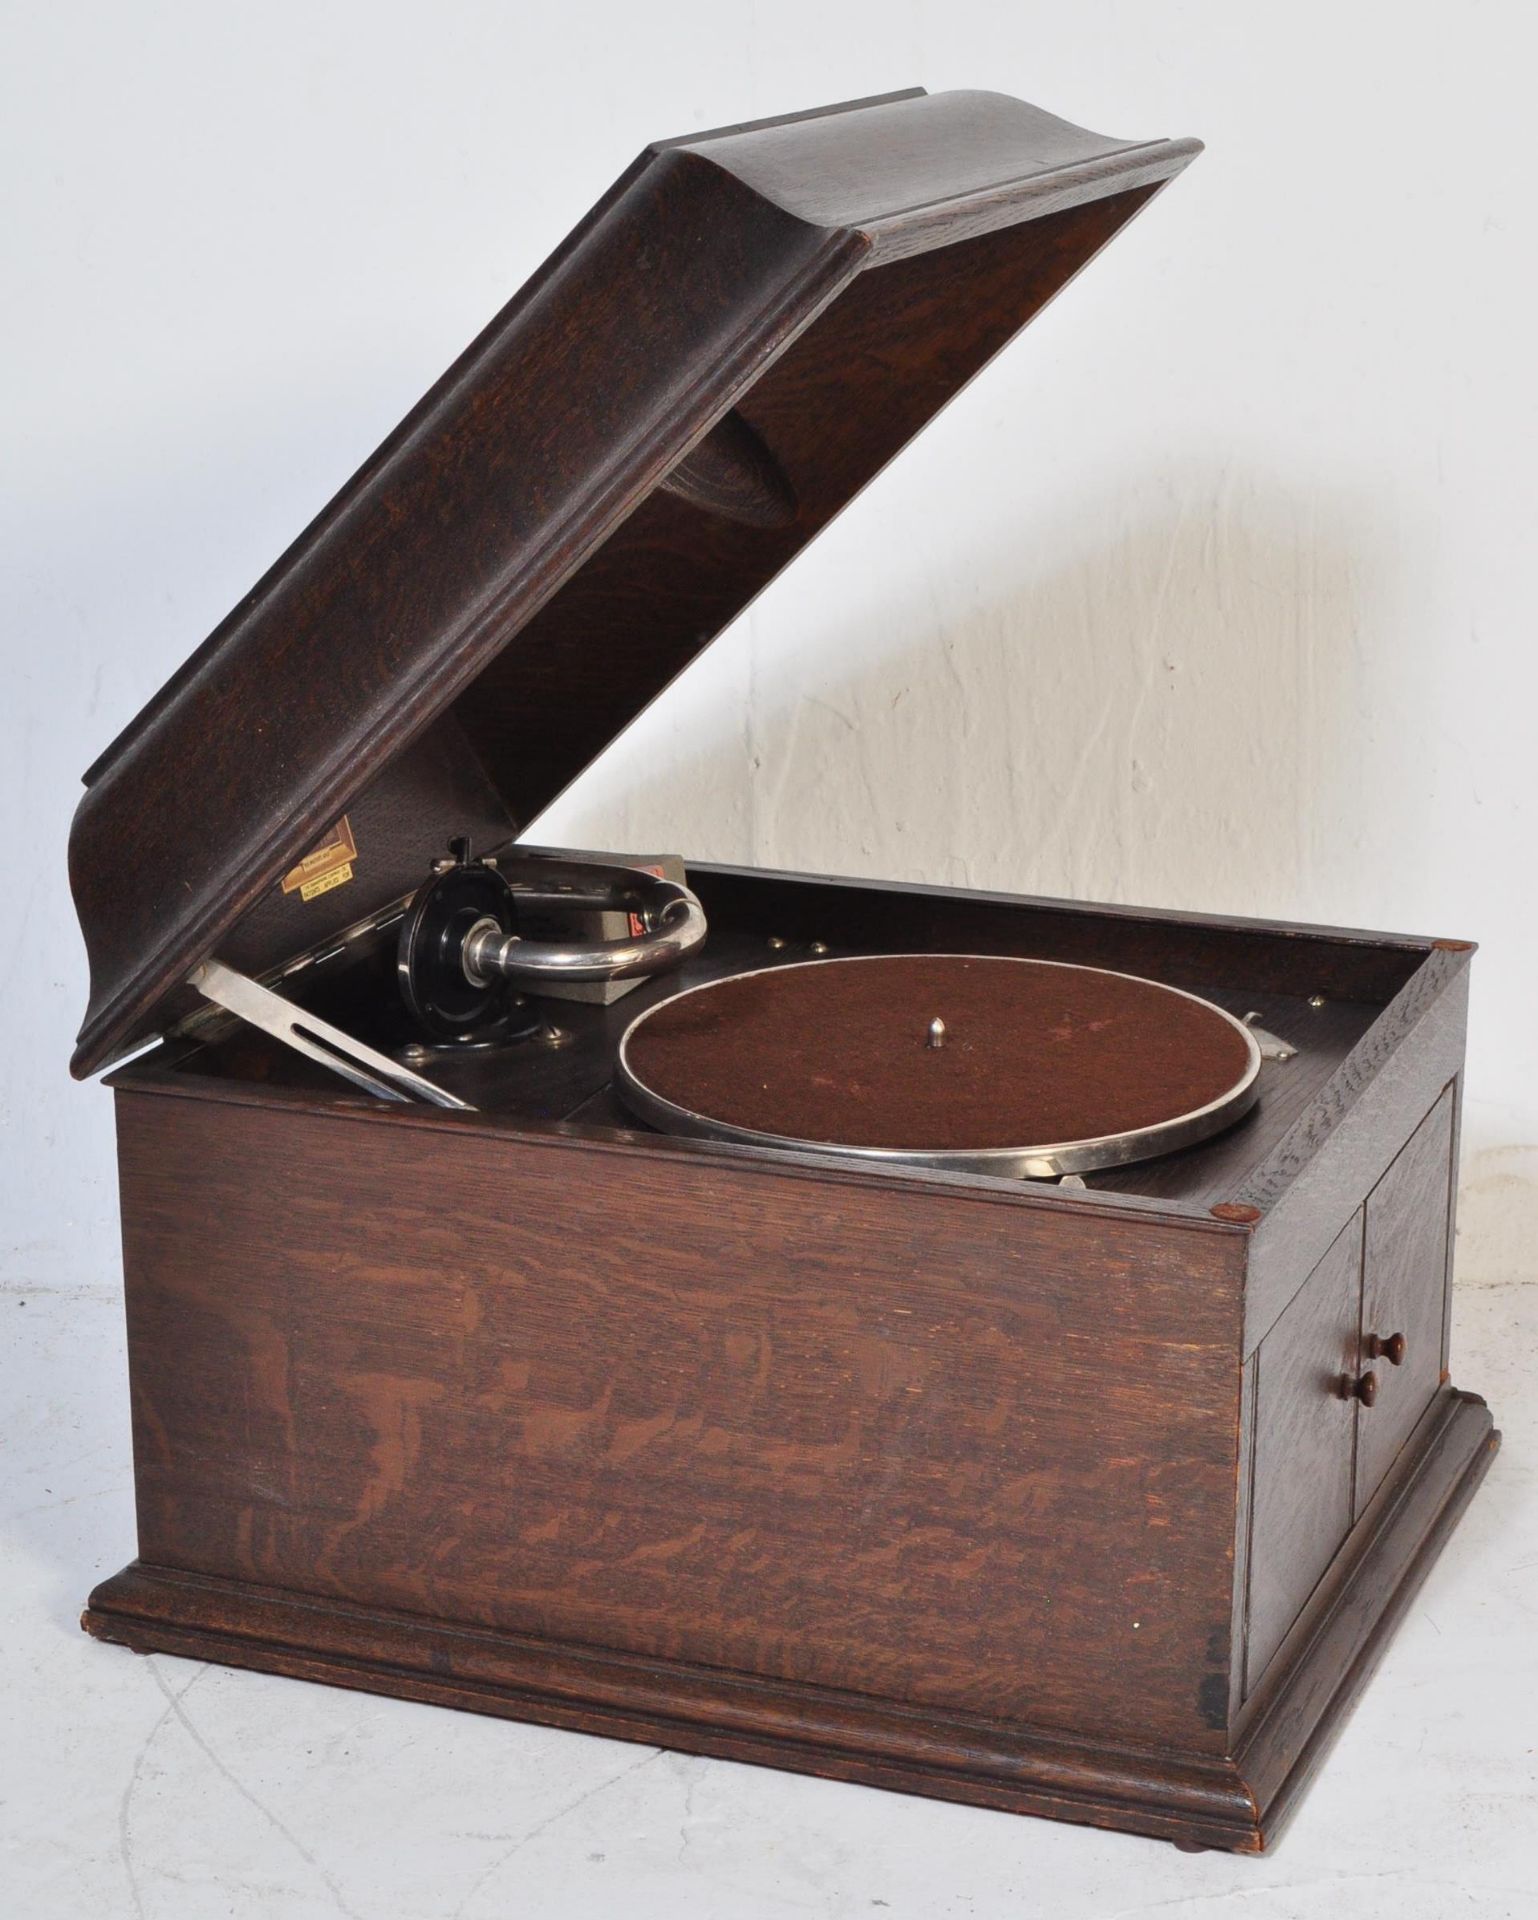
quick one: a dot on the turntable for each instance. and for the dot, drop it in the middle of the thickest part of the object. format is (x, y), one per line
(981, 1346)
(982, 1063)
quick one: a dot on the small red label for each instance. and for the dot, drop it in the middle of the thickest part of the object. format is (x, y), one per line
(638, 927)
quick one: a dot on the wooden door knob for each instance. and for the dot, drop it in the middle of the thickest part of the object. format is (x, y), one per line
(1365, 1388)
(1391, 1349)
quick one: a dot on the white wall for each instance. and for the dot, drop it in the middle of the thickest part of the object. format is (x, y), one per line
(1215, 592)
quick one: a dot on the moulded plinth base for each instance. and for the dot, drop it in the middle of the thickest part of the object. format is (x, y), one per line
(1236, 1802)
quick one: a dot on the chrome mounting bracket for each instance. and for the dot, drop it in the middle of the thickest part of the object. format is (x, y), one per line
(317, 1039)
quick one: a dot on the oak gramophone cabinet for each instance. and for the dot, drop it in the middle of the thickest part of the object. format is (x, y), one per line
(1094, 1495)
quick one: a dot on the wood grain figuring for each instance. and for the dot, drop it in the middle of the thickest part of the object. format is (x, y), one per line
(842, 400)
(1305, 1429)
(1316, 1177)
(658, 340)
(906, 168)
(1404, 1280)
(1035, 1498)
(1254, 956)
(1240, 965)
(1333, 1649)
(868, 1440)
(734, 1716)
(849, 1471)
(432, 791)
(1240, 1800)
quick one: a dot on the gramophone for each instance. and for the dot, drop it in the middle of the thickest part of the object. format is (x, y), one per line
(981, 1346)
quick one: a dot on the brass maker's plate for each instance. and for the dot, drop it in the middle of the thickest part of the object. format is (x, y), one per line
(972, 1062)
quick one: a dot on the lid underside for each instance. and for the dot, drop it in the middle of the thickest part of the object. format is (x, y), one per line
(746, 328)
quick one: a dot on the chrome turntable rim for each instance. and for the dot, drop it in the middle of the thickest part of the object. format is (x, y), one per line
(1037, 1160)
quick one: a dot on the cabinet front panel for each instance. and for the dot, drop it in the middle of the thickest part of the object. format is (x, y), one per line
(1404, 1287)
(848, 1432)
(1304, 1424)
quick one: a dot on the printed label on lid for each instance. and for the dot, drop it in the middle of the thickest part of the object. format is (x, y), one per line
(327, 867)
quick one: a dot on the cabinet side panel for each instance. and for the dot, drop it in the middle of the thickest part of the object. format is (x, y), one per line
(954, 1451)
(1409, 1056)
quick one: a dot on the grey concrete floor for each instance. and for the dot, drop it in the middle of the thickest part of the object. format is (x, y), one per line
(157, 1789)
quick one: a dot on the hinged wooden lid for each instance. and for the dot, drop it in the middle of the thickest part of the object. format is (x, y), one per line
(745, 329)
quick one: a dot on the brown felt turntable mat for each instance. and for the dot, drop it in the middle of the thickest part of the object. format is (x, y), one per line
(837, 1052)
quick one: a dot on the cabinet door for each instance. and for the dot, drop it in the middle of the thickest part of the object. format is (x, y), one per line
(1404, 1289)
(1304, 1435)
